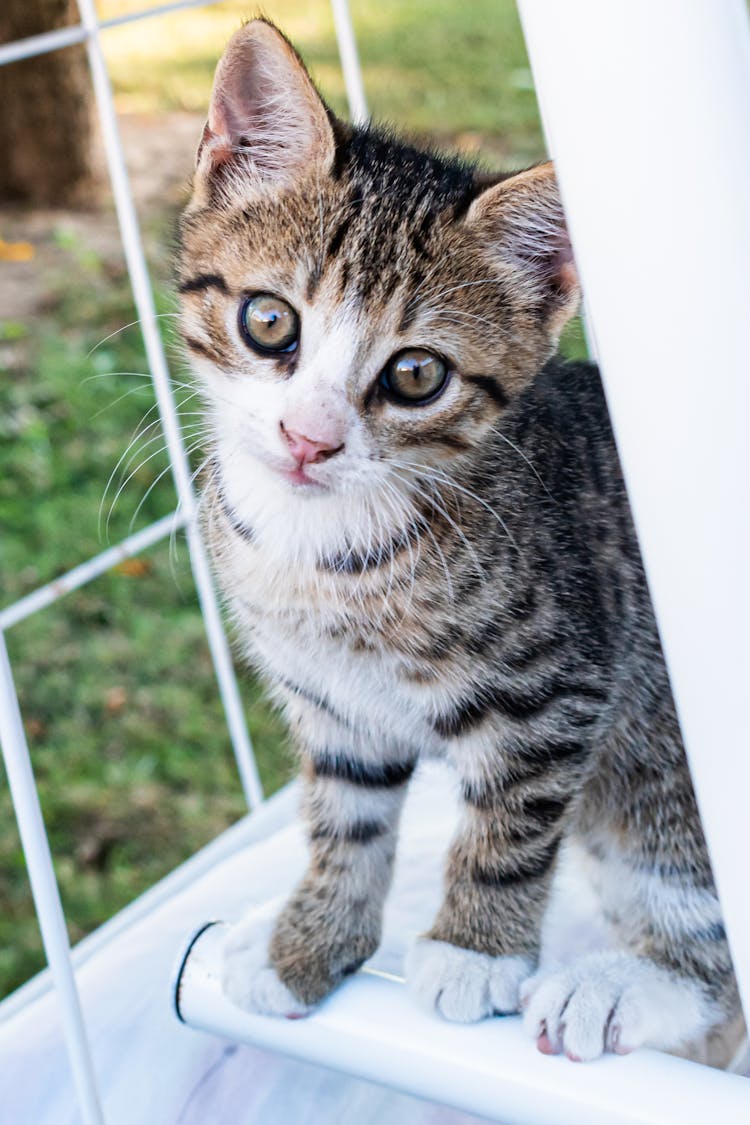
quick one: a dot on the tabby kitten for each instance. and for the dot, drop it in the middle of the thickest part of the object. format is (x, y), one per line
(420, 524)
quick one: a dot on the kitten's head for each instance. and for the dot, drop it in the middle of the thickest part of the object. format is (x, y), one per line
(357, 310)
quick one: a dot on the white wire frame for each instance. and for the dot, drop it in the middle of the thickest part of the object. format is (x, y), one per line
(587, 103)
(15, 749)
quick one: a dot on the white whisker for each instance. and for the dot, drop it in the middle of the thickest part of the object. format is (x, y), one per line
(124, 328)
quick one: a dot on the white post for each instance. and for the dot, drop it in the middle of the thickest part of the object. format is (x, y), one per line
(647, 109)
(44, 889)
(144, 302)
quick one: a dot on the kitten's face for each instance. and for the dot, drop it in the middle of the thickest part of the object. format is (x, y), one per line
(348, 311)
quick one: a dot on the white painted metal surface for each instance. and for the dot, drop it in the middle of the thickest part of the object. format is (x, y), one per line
(647, 109)
(156, 1071)
(123, 976)
(371, 1028)
(77, 33)
(267, 819)
(355, 87)
(92, 568)
(44, 889)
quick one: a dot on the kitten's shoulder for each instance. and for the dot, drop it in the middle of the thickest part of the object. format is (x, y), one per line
(562, 423)
(567, 397)
(571, 385)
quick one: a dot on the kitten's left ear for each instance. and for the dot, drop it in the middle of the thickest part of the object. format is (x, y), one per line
(522, 222)
(266, 119)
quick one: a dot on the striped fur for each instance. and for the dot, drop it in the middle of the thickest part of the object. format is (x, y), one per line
(459, 579)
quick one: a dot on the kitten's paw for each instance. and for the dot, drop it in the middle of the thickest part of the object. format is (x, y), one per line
(461, 985)
(248, 978)
(612, 1002)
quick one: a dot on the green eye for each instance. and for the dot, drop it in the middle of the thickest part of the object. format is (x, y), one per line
(414, 377)
(269, 324)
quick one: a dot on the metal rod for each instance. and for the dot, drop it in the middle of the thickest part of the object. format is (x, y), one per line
(647, 116)
(41, 44)
(67, 36)
(92, 568)
(44, 889)
(144, 302)
(355, 88)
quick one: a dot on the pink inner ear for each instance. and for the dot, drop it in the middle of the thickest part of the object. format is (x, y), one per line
(561, 268)
(219, 145)
(537, 239)
(567, 274)
(523, 219)
(265, 107)
(243, 87)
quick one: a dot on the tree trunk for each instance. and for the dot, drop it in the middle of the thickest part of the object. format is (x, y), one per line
(46, 124)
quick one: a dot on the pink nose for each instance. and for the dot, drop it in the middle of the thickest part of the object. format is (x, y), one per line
(307, 451)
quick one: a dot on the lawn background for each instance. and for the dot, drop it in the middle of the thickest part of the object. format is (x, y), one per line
(126, 731)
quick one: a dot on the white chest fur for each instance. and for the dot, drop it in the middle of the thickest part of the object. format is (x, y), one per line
(303, 627)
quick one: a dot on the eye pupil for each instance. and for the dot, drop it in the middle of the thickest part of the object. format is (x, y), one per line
(268, 324)
(414, 377)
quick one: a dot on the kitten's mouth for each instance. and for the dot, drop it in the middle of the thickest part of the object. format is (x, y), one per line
(299, 478)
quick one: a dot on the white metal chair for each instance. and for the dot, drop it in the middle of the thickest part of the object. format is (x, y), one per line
(646, 105)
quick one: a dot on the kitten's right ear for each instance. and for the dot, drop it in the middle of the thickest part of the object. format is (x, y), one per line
(266, 119)
(522, 223)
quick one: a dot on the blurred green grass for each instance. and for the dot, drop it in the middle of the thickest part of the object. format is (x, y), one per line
(128, 740)
(437, 67)
(127, 736)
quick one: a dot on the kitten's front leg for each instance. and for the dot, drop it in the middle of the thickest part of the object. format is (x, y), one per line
(485, 940)
(331, 924)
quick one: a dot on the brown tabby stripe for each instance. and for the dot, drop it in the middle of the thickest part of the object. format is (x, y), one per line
(537, 816)
(676, 873)
(411, 308)
(537, 759)
(526, 869)
(530, 764)
(511, 705)
(709, 934)
(202, 349)
(360, 832)
(524, 656)
(338, 236)
(451, 441)
(343, 277)
(244, 530)
(311, 697)
(204, 281)
(702, 964)
(545, 810)
(383, 775)
(313, 282)
(353, 562)
(490, 386)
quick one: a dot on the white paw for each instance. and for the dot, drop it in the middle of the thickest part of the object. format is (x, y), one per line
(247, 977)
(611, 1002)
(461, 985)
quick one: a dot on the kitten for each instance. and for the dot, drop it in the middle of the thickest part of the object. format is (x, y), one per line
(420, 524)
